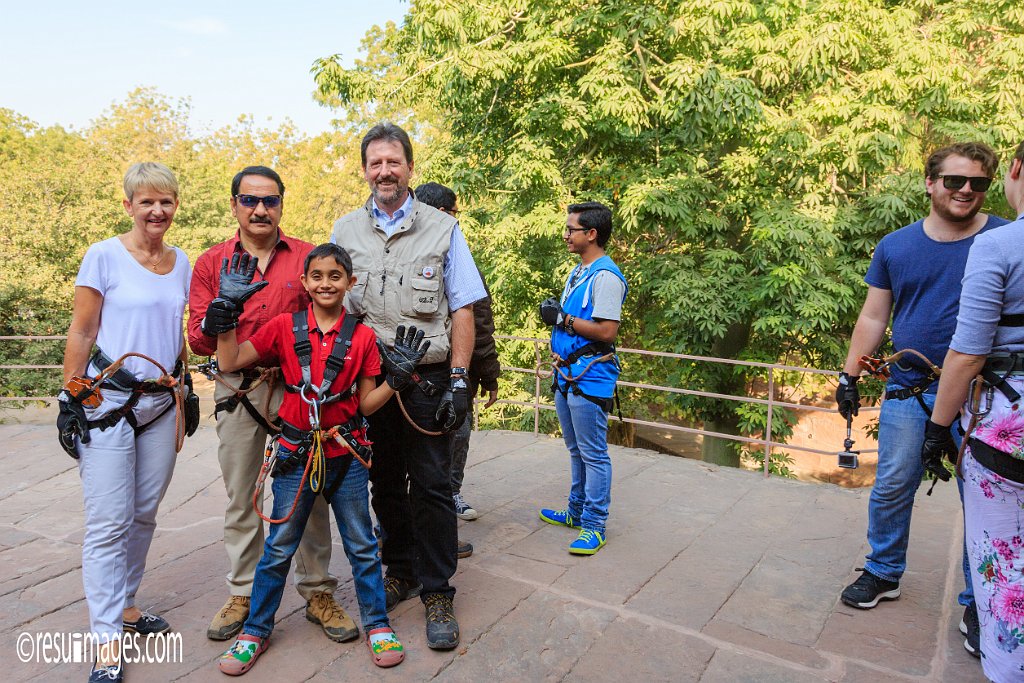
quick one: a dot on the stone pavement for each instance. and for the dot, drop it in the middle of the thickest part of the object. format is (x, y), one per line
(709, 574)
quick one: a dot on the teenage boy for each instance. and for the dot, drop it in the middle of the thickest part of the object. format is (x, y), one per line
(327, 387)
(585, 324)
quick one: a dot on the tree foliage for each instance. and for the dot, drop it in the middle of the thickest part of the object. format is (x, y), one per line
(60, 191)
(754, 152)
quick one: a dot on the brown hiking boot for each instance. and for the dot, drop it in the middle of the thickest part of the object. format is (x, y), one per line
(464, 549)
(229, 619)
(322, 609)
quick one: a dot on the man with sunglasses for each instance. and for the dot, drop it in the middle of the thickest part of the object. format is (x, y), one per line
(914, 278)
(244, 422)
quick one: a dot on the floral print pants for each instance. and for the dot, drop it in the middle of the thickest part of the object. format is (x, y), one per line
(994, 516)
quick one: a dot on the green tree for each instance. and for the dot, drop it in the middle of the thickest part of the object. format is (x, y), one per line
(754, 153)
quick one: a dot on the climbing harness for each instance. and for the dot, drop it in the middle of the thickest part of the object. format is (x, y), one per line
(113, 376)
(351, 435)
(251, 380)
(602, 352)
(881, 368)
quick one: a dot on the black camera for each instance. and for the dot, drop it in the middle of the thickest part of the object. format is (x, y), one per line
(848, 459)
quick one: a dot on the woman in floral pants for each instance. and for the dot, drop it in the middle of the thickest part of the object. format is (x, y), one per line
(989, 338)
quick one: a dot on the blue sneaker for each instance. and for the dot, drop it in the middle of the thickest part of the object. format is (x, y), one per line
(559, 518)
(588, 542)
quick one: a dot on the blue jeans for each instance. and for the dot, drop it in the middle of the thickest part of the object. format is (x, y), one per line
(352, 513)
(585, 430)
(900, 435)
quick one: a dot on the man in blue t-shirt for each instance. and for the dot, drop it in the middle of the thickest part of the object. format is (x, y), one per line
(914, 277)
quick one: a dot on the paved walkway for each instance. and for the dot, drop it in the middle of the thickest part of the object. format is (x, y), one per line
(709, 575)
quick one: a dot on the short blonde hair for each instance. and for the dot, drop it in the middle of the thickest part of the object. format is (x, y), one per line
(149, 174)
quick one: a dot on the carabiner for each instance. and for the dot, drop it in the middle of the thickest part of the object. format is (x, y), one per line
(977, 392)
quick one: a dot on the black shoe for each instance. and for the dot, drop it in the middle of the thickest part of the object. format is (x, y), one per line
(106, 674)
(464, 550)
(865, 592)
(969, 627)
(396, 590)
(147, 625)
(442, 628)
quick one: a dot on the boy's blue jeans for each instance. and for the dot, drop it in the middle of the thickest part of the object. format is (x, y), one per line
(585, 430)
(900, 435)
(352, 513)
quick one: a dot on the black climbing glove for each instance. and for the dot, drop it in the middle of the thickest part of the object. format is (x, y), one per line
(551, 311)
(454, 406)
(191, 406)
(71, 423)
(847, 396)
(400, 363)
(236, 285)
(221, 316)
(938, 443)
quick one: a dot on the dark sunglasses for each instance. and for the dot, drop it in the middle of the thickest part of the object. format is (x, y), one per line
(955, 182)
(250, 201)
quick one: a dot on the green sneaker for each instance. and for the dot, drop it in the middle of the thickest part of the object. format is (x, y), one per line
(587, 543)
(559, 518)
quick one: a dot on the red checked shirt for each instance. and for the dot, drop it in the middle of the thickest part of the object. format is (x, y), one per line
(284, 295)
(275, 343)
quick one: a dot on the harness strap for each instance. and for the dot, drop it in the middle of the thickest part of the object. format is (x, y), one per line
(333, 363)
(594, 348)
(1001, 463)
(1011, 320)
(229, 404)
(340, 464)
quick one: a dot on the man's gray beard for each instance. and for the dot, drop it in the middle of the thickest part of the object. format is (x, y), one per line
(386, 199)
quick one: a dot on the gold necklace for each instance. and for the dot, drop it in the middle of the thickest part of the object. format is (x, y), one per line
(154, 264)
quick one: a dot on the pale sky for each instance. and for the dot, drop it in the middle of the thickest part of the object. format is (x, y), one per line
(65, 62)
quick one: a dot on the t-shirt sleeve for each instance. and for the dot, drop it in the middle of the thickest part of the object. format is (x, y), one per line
(981, 298)
(267, 340)
(607, 291)
(878, 271)
(371, 359)
(93, 271)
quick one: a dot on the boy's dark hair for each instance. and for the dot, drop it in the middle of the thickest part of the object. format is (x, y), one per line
(386, 131)
(436, 195)
(328, 250)
(594, 216)
(975, 151)
(256, 170)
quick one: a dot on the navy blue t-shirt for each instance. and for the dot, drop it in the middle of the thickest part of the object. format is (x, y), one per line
(924, 276)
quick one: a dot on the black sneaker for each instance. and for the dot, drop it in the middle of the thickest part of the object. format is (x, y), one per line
(396, 590)
(442, 628)
(969, 627)
(147, 625)
(865, 592)
(106, 674)
(464, 549)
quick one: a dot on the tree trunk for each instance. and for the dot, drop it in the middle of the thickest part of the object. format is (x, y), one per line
(723, 451)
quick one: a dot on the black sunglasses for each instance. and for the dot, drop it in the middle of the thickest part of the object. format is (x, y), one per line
(250, 201)
(955, 182)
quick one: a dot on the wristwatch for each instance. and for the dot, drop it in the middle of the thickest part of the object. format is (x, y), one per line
(458, 372)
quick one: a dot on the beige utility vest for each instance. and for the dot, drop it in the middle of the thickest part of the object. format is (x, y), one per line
(400, 279)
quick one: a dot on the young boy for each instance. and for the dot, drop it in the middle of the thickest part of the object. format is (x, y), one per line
(585, 323)
(342, 479)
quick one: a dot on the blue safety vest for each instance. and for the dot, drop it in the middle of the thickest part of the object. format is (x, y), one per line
(599, 380)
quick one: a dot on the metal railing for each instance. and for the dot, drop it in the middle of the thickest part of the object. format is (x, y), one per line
(540, 348)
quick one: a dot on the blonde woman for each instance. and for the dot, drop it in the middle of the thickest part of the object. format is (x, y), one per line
(130, 297)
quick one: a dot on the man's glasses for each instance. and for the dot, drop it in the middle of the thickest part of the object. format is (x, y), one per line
(569, 231)
(250, 201)
(955, 182)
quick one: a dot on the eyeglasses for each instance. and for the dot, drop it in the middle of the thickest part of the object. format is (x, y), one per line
(452, 212)
(251, 201)
(955, 182)
(569, 231)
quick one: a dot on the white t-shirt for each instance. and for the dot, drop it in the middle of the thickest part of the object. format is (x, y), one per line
(142, 310)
